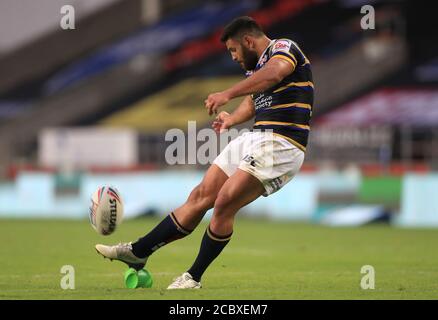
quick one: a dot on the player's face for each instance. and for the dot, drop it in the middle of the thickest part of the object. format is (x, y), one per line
(242, 54)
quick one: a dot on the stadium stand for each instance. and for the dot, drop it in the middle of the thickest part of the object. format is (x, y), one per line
(183, 101)
(153, 59)
(94, 83)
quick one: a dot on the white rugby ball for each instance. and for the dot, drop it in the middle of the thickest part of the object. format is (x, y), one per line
(106, 210)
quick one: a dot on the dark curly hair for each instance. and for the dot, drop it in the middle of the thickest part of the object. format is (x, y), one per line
(240, 27)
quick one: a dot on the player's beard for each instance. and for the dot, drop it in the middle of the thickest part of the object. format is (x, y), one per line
(249, 58)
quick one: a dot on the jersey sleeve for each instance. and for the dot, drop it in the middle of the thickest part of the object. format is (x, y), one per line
(283, 49)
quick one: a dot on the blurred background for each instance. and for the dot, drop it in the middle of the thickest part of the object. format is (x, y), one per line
(90, 106)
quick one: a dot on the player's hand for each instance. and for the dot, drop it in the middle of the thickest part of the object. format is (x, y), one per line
(222, 122)
(215, 100)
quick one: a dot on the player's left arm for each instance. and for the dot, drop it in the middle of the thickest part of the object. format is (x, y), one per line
(271, 74)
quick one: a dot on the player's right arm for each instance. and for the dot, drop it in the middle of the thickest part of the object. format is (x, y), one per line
(244, 112)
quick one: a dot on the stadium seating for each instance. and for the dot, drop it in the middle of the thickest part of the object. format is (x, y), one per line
(184, 102)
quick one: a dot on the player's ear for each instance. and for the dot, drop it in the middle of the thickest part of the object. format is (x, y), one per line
(248, 42)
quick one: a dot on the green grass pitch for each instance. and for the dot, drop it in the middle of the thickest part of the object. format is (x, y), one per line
(264, 260)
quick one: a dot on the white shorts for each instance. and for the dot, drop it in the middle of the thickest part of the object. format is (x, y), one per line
(273, 160)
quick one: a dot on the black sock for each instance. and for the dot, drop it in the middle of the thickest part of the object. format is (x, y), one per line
(165, 232)
(211, 247)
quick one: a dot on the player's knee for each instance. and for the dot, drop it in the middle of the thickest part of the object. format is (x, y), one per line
(222, 204)
(202, 196)
(221, 225)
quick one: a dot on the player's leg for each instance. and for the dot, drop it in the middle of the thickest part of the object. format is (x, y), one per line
(201, 198)
(268, 163)
(176, 225)
(239, 190)
(184, 219)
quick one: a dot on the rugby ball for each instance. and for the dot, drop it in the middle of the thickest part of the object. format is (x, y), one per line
(106, 210)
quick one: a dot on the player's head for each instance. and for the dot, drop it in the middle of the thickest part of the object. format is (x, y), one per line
(240, 37)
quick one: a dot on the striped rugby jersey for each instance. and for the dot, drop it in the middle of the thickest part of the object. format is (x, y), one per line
(286, 108)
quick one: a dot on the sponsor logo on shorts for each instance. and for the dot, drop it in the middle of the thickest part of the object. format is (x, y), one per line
(250, 160)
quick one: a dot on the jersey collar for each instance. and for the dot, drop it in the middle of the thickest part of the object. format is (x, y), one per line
(264, 52)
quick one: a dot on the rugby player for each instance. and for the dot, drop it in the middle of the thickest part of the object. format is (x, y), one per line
(278, 92)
